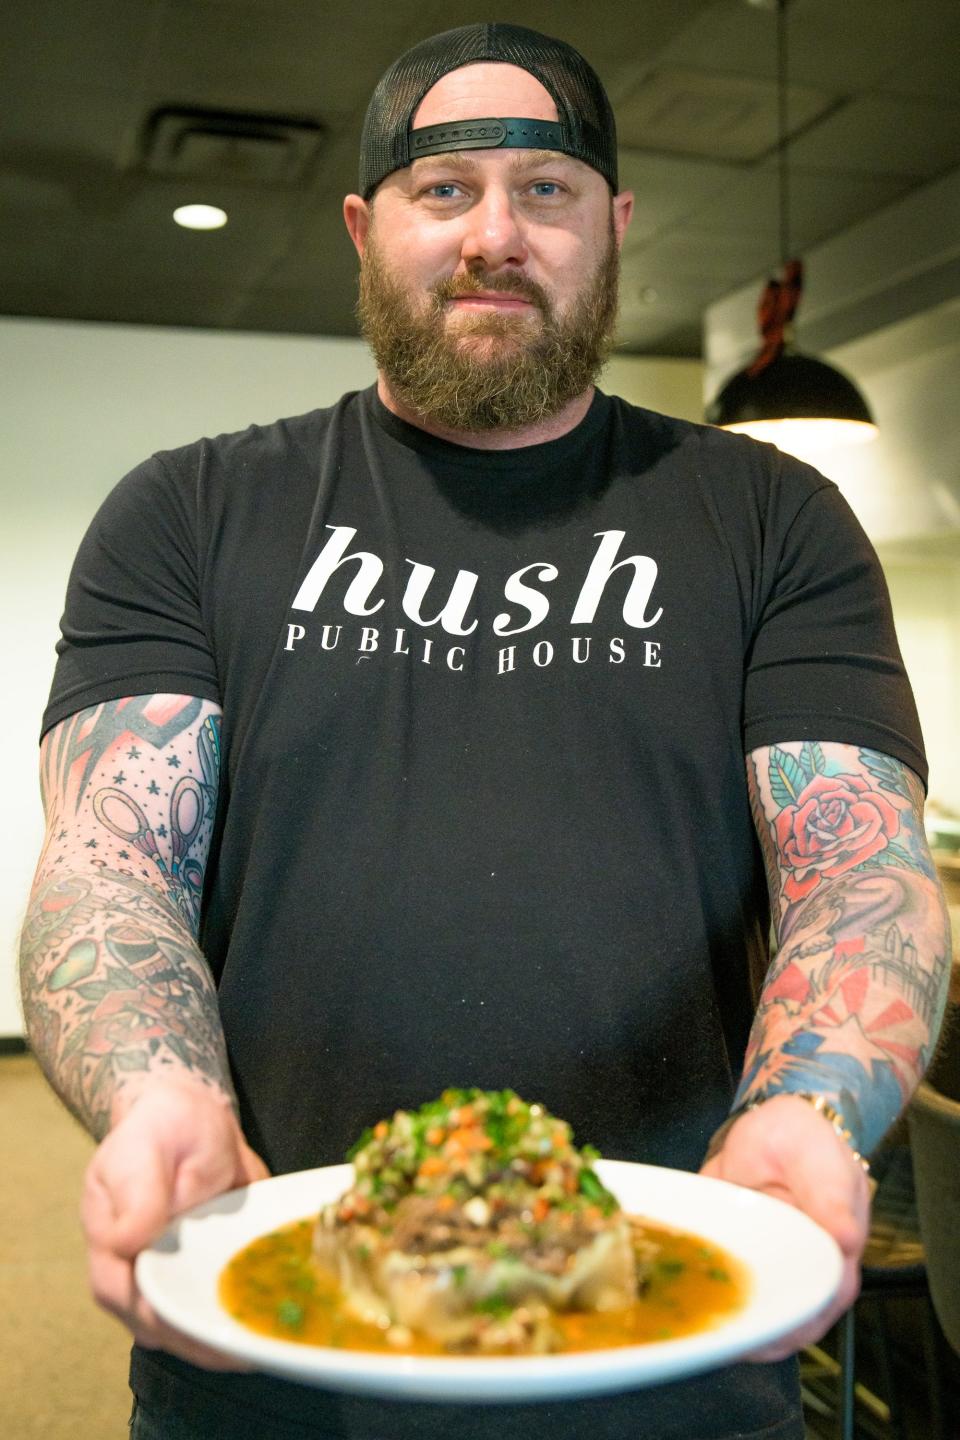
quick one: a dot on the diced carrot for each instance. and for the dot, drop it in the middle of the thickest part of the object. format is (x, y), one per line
(380, 1130)
(434, 1135)
(466, 1139)
(458, 1139)
(570, 1183)
(433, 1165)
(445, 1202)
(541, 1208)
(466, 1116)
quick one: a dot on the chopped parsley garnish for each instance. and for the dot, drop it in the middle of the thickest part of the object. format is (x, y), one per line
(475, 1142)
(670, 1268)
(496, 1305)
(290, 1313)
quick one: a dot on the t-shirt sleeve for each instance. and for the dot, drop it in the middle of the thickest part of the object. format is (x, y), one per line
(133, 622)
(824, 663)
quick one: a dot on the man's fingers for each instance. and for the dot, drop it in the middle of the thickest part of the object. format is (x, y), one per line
(126, 1196)
(252, 1167)
(114, 1287)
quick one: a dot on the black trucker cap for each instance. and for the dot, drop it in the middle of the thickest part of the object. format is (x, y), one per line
(585, 128)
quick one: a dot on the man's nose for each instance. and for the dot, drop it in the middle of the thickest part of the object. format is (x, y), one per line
(493, 235)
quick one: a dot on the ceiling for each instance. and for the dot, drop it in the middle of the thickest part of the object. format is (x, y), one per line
(99, 144)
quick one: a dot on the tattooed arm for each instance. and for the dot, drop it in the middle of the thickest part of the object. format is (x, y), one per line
(851, 1006)
(114, 986)
(120, 1006)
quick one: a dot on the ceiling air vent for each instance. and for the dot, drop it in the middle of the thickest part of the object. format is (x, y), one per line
(223, 145)
(678, 110)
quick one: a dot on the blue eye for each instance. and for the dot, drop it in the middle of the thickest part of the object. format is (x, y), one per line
(444, 185)
(546, 189)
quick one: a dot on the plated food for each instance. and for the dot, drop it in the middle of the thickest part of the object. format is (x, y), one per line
(475, 1226)
(794, 1270)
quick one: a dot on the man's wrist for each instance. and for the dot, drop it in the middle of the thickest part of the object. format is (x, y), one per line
(818, 1102)
(169, 1081)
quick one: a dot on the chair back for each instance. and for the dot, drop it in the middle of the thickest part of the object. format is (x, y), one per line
(934, 1121)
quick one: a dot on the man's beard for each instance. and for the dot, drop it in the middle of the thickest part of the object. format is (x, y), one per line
(487, 371)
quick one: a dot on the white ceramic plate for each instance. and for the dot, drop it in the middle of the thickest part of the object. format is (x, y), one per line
(794, 1266)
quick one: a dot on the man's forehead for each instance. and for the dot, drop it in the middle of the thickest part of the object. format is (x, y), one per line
(485, 89)
(514, 161)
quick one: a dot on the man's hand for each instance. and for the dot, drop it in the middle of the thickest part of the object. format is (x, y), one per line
(786, 1149)
(176, 1145)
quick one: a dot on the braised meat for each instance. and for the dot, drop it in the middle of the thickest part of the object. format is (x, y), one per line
(472, 1221)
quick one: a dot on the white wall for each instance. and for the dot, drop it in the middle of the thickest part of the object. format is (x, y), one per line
(924, 580)
(674, 387)
(81, 405)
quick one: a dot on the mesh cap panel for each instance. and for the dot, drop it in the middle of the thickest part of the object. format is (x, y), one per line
(587, 130)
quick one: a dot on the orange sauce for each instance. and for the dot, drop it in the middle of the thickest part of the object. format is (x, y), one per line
(272, 1287)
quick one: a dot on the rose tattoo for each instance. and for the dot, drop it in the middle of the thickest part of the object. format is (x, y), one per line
(837, 822)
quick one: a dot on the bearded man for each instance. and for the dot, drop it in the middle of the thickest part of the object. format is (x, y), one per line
(488, 696)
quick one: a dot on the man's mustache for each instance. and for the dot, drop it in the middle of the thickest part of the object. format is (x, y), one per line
(475, 283)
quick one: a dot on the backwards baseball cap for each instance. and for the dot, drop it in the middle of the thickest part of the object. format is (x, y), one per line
(585, 127)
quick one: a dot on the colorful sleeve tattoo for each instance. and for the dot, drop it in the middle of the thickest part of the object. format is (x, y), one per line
(113, 982)
(852, 1003)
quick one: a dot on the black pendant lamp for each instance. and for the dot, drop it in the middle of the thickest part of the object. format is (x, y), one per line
(801, 404)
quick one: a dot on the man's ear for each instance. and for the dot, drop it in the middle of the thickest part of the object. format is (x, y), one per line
(622, 214)
(356, 216)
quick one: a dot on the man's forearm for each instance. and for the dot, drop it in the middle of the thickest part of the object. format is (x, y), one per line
(852, 1004)
(115, 991)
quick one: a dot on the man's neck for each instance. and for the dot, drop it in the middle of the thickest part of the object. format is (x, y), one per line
(552, 428)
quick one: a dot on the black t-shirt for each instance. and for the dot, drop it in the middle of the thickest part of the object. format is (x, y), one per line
(484, 818)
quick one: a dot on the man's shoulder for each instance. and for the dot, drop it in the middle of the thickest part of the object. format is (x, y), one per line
(689, 441)
(642, 419)
(260, 444)
(742, 481)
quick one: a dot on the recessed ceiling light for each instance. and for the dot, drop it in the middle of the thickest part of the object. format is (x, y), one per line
(200, 217)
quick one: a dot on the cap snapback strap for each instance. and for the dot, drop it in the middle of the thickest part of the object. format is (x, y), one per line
(507, 133)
